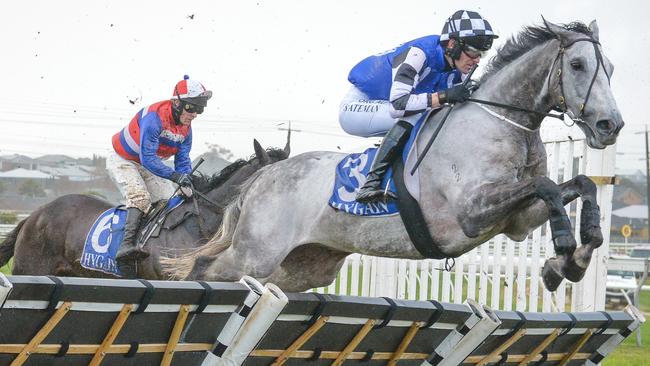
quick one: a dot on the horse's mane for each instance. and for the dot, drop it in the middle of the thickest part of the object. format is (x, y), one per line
(530, 37)
(217, 179)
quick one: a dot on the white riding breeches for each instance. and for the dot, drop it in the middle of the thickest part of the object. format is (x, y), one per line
(361, 116)
(138, 186)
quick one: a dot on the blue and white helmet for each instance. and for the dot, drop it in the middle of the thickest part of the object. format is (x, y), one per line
(469, 27)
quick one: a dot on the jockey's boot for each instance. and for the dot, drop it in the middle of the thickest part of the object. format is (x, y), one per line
(390, 148)
(129, 251)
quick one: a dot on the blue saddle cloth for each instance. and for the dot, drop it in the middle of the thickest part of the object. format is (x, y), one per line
(105, 237)
(351, 174)
(103, 241)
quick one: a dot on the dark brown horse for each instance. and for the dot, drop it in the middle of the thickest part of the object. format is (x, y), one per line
(50, 241)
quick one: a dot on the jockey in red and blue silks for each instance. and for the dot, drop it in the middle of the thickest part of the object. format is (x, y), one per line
(391, 90)
(152, 135)
(156, 132)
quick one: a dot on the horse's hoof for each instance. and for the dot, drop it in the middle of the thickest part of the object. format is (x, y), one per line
(552, 274)
(564, 245)
(593, 237)
(582, 257)
(574, 270)
(573, 273)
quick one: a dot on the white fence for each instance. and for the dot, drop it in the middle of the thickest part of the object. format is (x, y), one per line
(502, 273)
(5, 229)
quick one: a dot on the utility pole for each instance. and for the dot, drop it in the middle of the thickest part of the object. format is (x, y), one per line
(647, 179)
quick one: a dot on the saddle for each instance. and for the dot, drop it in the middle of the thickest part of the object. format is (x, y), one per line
(105, 236)
(350, 174)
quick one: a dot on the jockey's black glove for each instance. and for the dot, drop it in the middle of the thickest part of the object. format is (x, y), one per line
(473, 86)
(182, 179)
(455, 94)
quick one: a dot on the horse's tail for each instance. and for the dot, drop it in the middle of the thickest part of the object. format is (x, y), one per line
(8, 245)
(180, 267)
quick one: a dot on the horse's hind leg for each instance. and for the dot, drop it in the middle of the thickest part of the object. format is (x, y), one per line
(308, 266)
(221, 267)
(497, 202)
(243, 258)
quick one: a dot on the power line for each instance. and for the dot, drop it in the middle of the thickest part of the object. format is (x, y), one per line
(126, 113)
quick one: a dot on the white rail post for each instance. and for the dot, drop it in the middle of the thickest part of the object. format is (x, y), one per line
(599, 163)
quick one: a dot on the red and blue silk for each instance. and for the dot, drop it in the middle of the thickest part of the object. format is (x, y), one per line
(153, 135)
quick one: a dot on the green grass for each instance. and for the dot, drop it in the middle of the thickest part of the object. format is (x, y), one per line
(628, 353)
(7, 268)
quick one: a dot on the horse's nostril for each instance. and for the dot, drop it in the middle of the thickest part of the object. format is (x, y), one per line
(618, 129)
(605, 126)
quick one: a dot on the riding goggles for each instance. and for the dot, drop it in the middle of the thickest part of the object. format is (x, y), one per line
(192, 108)
(473, 52)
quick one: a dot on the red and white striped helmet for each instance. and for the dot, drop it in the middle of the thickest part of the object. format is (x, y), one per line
(191, 91)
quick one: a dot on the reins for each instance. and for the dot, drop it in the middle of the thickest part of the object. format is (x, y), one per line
(561, 106)
(516, 108)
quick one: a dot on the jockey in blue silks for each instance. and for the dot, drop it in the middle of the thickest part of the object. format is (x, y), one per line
(391, 90)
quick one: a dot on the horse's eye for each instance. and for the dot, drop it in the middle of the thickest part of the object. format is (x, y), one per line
(576, 65)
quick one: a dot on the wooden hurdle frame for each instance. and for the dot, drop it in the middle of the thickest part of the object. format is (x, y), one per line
(99, 351)
(459, 344)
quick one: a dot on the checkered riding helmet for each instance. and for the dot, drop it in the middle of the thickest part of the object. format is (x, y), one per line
(469, 27)
(191, 91)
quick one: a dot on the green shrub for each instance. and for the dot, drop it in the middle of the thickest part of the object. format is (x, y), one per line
(7, 217)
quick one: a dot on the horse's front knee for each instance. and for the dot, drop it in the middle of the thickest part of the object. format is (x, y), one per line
(586, 186)
(547, 190)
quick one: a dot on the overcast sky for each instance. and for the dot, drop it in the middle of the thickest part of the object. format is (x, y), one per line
(75, 72)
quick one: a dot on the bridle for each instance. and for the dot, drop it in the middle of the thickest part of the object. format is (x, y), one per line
(561, 105)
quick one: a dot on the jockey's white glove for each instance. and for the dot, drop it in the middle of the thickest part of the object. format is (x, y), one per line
(187, 191)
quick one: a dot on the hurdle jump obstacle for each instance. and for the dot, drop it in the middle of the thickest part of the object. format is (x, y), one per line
(80, 321)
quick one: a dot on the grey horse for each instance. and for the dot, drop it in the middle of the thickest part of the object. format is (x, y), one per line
(484, 175)
(50, 241)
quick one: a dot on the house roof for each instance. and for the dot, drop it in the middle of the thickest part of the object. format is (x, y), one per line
(632, 212)
(16, 158)
(212, 163)
(54, 158)
(69, 171)
(24, 173)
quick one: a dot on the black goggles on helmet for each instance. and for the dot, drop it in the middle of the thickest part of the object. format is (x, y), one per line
(192, 108)
(480, 43)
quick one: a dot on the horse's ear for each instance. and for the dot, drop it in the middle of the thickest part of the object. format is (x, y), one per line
(260, 152)
(562, 34)
(287, 147)
(593, 27)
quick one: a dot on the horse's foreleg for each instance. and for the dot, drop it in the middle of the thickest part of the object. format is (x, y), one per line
(494, 203)
(590, 232)
(591, 235)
